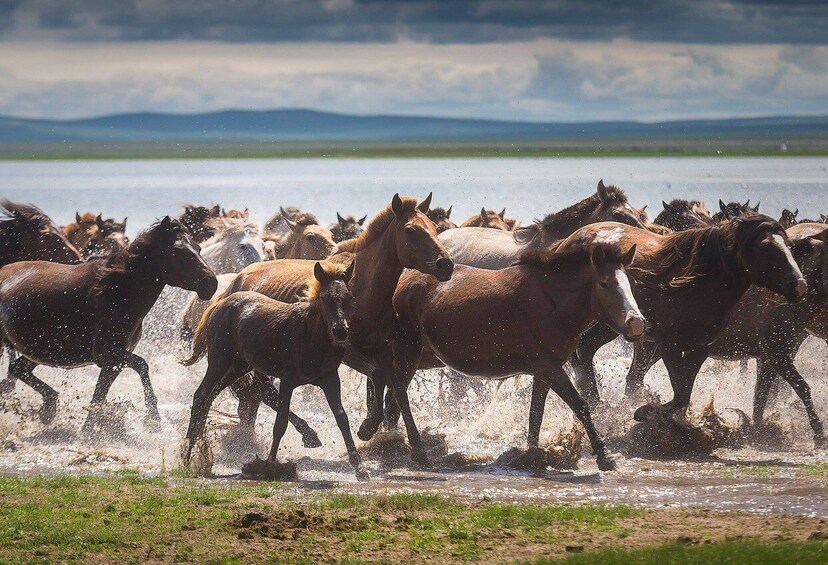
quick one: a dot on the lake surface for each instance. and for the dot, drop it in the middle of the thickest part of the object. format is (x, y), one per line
(147, 189)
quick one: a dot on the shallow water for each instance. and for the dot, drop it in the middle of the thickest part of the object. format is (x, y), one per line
(480, 425)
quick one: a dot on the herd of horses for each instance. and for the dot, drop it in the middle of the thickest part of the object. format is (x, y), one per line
(285, 305)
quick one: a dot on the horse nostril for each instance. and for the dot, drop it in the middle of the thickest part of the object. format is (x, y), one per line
(444, 263)
(340, 332)
(635, 325)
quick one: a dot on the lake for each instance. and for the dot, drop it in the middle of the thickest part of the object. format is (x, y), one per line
(148, 189)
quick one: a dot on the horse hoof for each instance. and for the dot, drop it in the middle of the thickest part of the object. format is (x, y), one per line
(819, 441)
(362, 474)
(421, 459)
(644, 413)
(606, 464)
(366, 431)
(311, 441)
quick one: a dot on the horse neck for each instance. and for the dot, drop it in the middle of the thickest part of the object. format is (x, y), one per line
(565, 225)
(377, 271)
(571, 291)
(139, 287)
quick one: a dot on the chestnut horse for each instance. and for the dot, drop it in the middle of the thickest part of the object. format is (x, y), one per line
(687, 283)
(489, 219)
(103, 300)
(305, 239)
(518, 320)
(346, 228)
(28, 234)
(492, 249)
(300, 343)
(441, 218)
(400, 237)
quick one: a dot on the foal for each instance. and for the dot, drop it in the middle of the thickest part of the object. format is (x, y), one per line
(300, 343)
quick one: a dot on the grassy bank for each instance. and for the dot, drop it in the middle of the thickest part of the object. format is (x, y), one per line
(129, 518)
(277, 151)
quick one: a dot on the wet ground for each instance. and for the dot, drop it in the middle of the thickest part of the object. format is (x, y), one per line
(477, 426)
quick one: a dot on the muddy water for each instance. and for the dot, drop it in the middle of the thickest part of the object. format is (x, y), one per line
(478, 423)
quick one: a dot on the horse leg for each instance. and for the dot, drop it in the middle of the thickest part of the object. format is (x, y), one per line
(7, 384)
(332, 388)
(220, 374)
(140, 366)
(645, 355)
(310, 438)
(280, 425)
(582, 360)
(22, 369)
(682, 367)
(540, 389)
(766, 378)
(784, 367)
(557, 379)
(402, 363)
(105, 379)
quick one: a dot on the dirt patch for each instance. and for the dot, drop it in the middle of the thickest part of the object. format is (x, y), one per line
(264, 470)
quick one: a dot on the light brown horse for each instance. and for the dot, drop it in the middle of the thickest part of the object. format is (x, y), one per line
(28, 234)
(306, 239)
(489, 219)
(300, 343)
(687, 283)
(93, 235)
(523, 319)
(104, 301)
(442, 219)
(400, 237)
(79, 232)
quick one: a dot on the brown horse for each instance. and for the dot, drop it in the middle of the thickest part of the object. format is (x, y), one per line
(346, 228)
(79, 232)
(305, 240)
(442, 218)
(197, 220)
(680, 215)
(92, 235)
(489, 219)
(788, 218)
(734, 210)
(521, 320)
(103, 300)
(687, 283)
(28, 234)
(400, 237)
(300, 343)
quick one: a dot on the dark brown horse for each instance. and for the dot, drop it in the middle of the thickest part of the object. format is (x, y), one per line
(523, 319)
(104, 301)
(687, 283)
(734, 210)
(680, 215)
(788, 218)
(300, 344)
(441, 218)
(28, 234)
(346, 228)
(489, 219)
(197, 220)
(400, 237)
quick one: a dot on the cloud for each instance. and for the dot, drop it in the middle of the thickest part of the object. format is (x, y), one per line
(433, 21)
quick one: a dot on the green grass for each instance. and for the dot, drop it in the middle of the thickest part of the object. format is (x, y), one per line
(732, 552)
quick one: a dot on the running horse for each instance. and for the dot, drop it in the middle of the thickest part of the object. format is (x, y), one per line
(687, 283)
(28, 234)
(104, 302)
(523, 319)
(346, 228)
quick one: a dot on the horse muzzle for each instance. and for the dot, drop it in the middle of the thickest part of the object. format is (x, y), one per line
(207, 288)
(634, 326)
(443, 269)
(340, 333)
(798, 290)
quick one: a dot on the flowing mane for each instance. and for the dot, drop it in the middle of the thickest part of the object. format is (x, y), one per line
(568, 219)
(574, 255)
(121, 263)
(702, 250)
(21, 213)
(332, 270)
(377, 227)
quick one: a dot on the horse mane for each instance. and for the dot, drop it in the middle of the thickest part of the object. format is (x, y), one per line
(23, 213)
(121, 263)
(228, 226)
(709, 249)
(567, 219)
(573, 255)
(377, 227)
(332, 270)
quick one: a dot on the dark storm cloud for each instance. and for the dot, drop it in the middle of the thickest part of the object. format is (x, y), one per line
(437, 21)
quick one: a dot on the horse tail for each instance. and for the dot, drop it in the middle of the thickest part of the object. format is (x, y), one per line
(200, 337)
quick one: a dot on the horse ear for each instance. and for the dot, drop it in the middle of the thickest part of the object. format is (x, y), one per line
(397, 205)
(602, 190)
(628, 257)
(99, 222)
(796, 212)
(77, 217)
(294, 227)
(349, 272)
(425, 204)
(667, 207)
(756, 208)
(340, 219)
(165, 223)
(319, 272)
(448, 212)
(598, 255)
(362, 220)
(124, 222)
(643, 208)
(723, 207)
(502, 213)
(822, 218)
(215, 211)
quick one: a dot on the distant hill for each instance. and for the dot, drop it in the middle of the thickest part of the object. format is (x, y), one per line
(312, 126)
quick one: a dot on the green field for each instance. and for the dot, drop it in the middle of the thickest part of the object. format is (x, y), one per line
(129, 518)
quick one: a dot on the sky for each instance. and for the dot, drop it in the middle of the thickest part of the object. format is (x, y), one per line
(515, 60)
